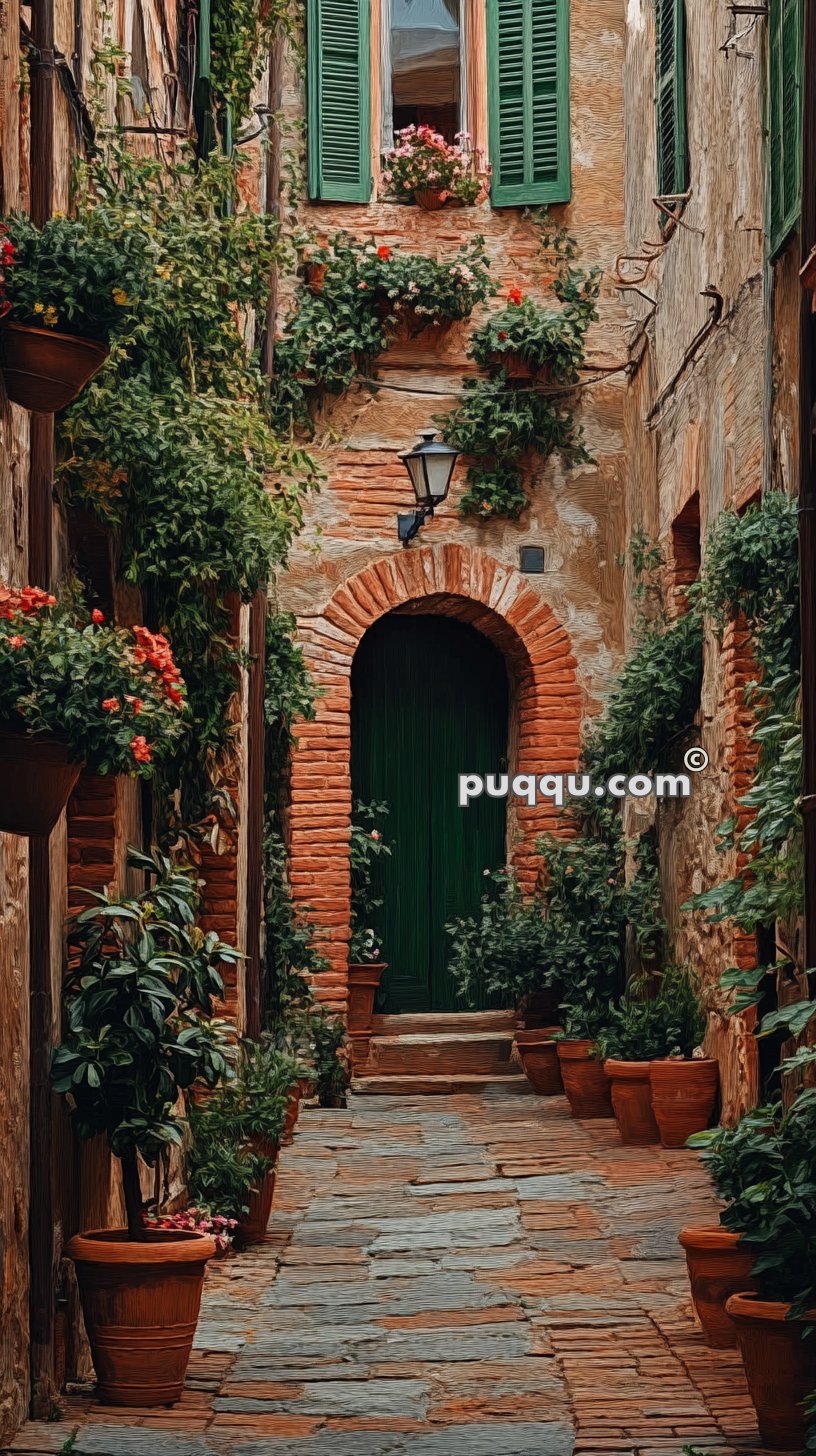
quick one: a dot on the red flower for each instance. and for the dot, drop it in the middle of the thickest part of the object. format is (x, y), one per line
(140, 749)
(111, 705)
(97, 616)
(502, 336)
(17, 641)
(136, 704)
(384, 253)
(515, 296)
(7, 254)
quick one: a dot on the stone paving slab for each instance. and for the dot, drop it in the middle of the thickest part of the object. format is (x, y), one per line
(479, 1275)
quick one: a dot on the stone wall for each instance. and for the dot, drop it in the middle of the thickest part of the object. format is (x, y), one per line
(575, 514)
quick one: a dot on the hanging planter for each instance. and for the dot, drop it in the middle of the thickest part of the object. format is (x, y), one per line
(586, 1084)
(718, 1266)
(539, 1058)
(364, 982)
(36, 779)
(314, 274)
(45, 371)
(632, 1102)
(683, 1097)
(140, 1300)
(780, 1367)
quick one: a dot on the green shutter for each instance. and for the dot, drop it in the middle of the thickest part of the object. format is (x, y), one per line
(529, 102)
(784, 120)
(339, 85)
(672, 145)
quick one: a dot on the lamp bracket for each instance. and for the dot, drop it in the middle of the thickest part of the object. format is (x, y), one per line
(410, 523)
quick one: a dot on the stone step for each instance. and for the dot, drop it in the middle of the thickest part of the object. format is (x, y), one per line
(422, 1085)
(459, 1022)
(443, 1053)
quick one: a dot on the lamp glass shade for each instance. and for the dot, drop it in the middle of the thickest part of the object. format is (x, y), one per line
(430, 466)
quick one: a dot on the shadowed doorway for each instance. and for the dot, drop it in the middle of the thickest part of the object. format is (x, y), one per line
(429, 701)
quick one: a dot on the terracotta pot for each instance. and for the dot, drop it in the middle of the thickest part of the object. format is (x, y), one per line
(632, 1101)
(315, 276)
(140, 1302)
(539, 1009)
(683, 1097)
(360, 1049)
(265, 1147)
(717, 1268)
(292, 1114)
(539, 1058)
(429, 198)
(253, 1224)
(45, 371)
(780, 1367)
(36, 779)
(585, 1081)
(306, 1086)
(518, 369)
(363, 983)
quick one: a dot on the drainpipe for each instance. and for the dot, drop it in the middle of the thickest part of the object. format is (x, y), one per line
(42, 1252)
(202, 94)
(807, 484)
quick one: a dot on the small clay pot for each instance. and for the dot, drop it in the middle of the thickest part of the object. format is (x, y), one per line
(539, 1058)
(36, 780)
(253, 1224)
(291, 1117)
(430, 198)
(315, 276)
(717, 1267)
(363, 984)
(683, 1097)
(780, 1367)
(44, 370)
(586, 1084)
(632, 1101)
(140, 1300)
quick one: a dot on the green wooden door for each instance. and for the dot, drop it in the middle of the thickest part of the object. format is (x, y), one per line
(429, 701)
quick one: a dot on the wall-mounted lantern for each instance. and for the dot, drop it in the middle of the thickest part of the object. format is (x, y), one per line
(430, 466)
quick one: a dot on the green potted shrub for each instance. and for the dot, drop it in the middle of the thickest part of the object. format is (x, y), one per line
(138, 1032)
(330, 1064)
(775, 1218)
(366, 964)
(422, 167)
(75, 690)
(65, 289)
(416, 291)
(684, 1082)
(530, 342)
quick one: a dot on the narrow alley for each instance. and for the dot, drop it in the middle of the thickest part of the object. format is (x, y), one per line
(479, 1275)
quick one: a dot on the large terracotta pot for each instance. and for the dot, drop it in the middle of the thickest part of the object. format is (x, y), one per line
(140, 1302)
(363, 984)
(45, 371)
(539, 1058)
(36, 779)
(253, 1224)
(780, 1367)
(717, 1268)
(683, 1097)
(585, 1081)
(632, 1101)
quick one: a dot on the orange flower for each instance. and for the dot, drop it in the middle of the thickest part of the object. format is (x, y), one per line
(136, 704)
(140, 748)
(17, 641)
(111, 705)
(515, 296)
(384, 253)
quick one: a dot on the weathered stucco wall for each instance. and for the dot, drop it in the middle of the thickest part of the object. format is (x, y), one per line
(575, 514)
(711, 410)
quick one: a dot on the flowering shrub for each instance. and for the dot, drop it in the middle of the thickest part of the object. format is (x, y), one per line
(198, 1221)
(67, 277)
(433, 291)
(544, 338)
(113, 694)
(423, 159)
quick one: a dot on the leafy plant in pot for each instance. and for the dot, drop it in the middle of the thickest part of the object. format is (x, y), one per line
(331, 1074)
(138, 1006)
(776, 1220)
(366, 964)
(65, 289)
(684, 1082)
(74, 690)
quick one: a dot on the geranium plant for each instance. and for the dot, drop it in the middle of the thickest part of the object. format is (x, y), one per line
(113, 694)
(432, 290)
(549, 340)
(71, 277)
(219, 1226)
(422, 161)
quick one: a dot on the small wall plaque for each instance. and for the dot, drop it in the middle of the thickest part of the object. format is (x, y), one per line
(531, 559)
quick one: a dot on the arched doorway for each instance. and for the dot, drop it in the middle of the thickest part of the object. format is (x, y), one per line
(429, 700)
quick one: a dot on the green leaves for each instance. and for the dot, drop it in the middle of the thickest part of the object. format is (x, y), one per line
(656, 1019)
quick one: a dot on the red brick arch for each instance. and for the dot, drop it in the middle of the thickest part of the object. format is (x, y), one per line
(450, 580)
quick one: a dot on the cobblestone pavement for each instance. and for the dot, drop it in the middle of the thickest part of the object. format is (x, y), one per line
(473, 1275)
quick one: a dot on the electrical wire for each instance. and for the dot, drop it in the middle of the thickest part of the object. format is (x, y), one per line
(509, 390)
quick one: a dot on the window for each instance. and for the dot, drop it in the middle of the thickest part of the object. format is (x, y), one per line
(528, 84)
(670, 96)
(339, 87)
(784, 119)
(422, 69)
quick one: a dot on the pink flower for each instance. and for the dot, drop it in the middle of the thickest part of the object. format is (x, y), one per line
(17, 641)
(140, 748)
(375, 834)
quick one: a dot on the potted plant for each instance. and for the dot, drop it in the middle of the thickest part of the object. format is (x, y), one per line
(366, 964)
(684, 1082)
(530, 342)
(776, 1220)
(316, 262)
(139, 998)
(218, 1226)
(423, 168)
(415, 291)
(656, 1018)
(75, 690)
(720, 1264)
(330, 1061)
(64, 291)
(586, 1083)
